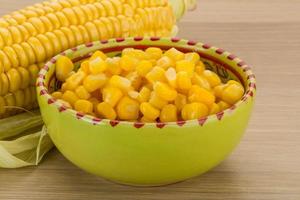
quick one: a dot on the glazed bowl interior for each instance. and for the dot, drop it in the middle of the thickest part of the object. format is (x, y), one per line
(146, 154)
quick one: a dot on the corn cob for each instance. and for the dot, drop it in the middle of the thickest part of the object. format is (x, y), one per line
(37, 33)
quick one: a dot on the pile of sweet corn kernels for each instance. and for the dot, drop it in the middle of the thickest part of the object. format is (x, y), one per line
(146, 86)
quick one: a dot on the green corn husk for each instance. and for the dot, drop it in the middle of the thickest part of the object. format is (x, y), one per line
(23, 140)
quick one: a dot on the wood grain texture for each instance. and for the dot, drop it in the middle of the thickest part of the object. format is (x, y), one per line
(266, 165)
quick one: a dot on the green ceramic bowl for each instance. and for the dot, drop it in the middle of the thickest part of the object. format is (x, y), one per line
(148, 154)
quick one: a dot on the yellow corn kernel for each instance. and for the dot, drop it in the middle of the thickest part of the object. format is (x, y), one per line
(135, 79)
(198, 94)
(82, 93)
(93, 10)
(218, 90)
(127, 10)
(171, 77)
(128, 63)
(6, 64)
(108, 6)
(83, 106)
(183, 81)
(62, 18)
(75, 30)
(46, 44)
(93, 82)
(84, 33)
(75, 80)
(97, 65)
(193, 57)
(128, 52)
(154, 52)
(98, 54)
(55, 42)
(146, 120)
(4, 84)
(63, 68)
(233, 82)
(38, 49)
(92, 30)
(164, 91)
(215, 108)
(49, 26)
(168, 113)
(20, 97)
(194, 111)
(24, 32)
(118, 5)
(180, 101)
(25, 77)
(174, 54)
(70, 97)
(143, 67)
(57, 95)
(21, 55)
(116, 22)
(33, 71)
(212, 78)
(2, 105)
(143, 15)
(105, 110)
(113, 65)
(232, 93)
(11, 54)
(70, 14)
(223, 105)
(200, 67)
(185, 66)
(63, 39)
(128, 109)
(120, 82)
(153, 61)
(85, 67)
(165, 62)
(14, 79)
(111, 95)
(144, 94)
(4, 32)
(156, 74)
(156, 101)
(53, 19)
(133, 94)
(101, 9)
(149, 111)
(201, 81)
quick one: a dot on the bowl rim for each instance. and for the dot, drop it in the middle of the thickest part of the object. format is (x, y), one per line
(249, 94)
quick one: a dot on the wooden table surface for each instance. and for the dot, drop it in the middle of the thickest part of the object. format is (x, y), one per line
(266, 164)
